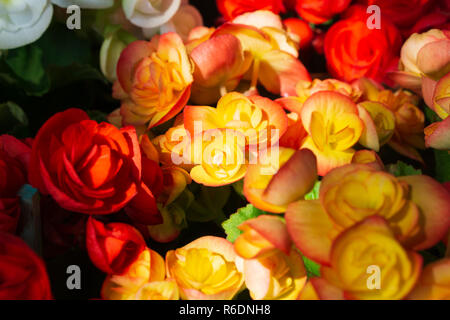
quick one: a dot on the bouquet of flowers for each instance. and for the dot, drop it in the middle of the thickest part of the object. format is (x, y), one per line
(229, 149)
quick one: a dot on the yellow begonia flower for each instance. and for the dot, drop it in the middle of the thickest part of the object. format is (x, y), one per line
(158, 290)
(205, 269)
(255, 117)
(276, 276)
(219, 155)
(334, 127)
(272, 268)
(147, 268)
(416, 208)
(367, 262)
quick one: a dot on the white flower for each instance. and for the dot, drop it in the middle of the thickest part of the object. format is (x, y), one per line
(150, 13)
(87, 4)
(23, 21)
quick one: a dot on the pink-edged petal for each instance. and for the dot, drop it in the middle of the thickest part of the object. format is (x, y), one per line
(217, 60)
(327, 291)
(428, 89)
(437, 135)
(433, 201)
(273, 229)
(434, 57)
(369, 136)
(128, 60)
(280, 72)
(311, 229)
(406, 80)
(293, 180)
(214, 244)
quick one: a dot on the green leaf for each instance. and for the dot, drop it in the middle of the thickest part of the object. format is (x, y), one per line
(11, 117)
(314, 193)
(401, 169)
(442, 165)
(26, 62)
(26, 70)
(431, 115)
(243, 214)
(312, 268)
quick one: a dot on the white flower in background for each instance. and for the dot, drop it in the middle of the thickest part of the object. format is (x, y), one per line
(87, 4)
(150, 13)
(23, 21)
(113, 45)
(185, 19)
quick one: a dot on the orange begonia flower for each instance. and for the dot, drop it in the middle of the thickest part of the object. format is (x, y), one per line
(205, 269)
(301, 29)
(233, 8)
(320, 11)
(154, 80)
(369, 250)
